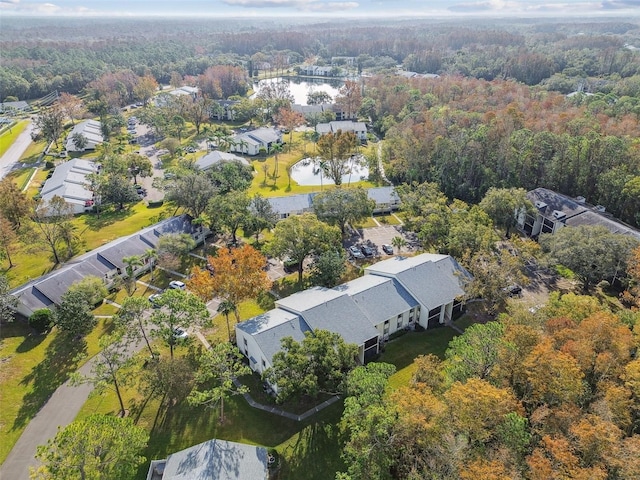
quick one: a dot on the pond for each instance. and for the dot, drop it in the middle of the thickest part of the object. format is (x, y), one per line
(300, 88)
(307, 172)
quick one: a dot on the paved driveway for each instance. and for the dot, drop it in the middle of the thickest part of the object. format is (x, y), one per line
(375, 237)
(15, 151)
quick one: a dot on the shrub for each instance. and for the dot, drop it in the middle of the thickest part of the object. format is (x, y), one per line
(41, 320)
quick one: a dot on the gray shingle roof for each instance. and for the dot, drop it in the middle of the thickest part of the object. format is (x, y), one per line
(215, 157)
(577, 213)
(269, 328)
(125, 248)
(332, 310)
(432, 279)
(217, 460)
(292, 204)
(46, 290)
(380, 298)
(382, 195)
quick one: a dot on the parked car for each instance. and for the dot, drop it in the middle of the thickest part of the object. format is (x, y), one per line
(180, 333)
(177, 284)
(355, 252)
(367, 251)
(388, 249)
(513, 290)
(153, 299)
(289, 265)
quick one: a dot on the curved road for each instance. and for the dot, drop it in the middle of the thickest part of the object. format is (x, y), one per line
(15, 151)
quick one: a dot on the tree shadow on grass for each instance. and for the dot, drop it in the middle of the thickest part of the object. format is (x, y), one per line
(31, 341)
(316, 453)
(96, 222)
(61, 359)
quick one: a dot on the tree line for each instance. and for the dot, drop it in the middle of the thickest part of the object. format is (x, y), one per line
(43, 56)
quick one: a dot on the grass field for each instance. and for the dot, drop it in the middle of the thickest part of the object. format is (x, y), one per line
(33, 367)
(309, 449)
(9, 136)
(32, 261)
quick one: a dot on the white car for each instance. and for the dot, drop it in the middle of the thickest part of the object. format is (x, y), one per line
(180, 333)
(177, 284)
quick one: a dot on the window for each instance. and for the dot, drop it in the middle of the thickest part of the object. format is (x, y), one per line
(400, 321)
(264, 363)
(386, 326)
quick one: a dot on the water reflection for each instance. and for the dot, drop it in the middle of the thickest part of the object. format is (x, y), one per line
(308, 172)
(301, 87)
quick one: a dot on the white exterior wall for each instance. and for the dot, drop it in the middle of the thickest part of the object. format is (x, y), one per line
(393, 324)
(251, 349)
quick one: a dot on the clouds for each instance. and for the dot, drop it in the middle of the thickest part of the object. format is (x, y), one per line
(333, 8)
(300, 5)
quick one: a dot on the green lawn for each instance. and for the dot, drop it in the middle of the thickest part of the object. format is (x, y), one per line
(309, 450)
(33, 367)
(32, 261)
(402, 351)
(9, 136)
(21, 177)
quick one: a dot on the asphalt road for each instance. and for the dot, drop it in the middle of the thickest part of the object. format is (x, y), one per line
(15, 151)
(60, 410)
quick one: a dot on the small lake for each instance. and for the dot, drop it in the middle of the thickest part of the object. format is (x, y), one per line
(301, 87)
(307, 172)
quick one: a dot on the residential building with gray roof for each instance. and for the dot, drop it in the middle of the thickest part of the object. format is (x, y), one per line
(213, 460)
(394, 294)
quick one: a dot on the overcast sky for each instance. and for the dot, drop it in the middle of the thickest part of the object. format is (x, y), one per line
(342, 8)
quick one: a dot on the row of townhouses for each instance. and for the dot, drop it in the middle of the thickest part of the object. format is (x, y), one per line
(394, 294)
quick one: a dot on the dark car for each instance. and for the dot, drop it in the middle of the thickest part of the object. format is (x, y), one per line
(290, 266)
(388, 249)
(355, 252)
(368, 251)
(514, 290)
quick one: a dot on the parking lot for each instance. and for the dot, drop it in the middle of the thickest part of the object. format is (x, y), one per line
(375, 237)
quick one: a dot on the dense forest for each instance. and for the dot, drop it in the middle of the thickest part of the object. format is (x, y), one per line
(541, 396)
(42, 55)
(468, 135)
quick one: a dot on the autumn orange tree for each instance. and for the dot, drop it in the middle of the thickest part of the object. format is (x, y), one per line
(560, 400)
(233, 275)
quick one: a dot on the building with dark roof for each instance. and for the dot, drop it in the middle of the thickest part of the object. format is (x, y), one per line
(394, 294)
(554, 211)
(104, 262)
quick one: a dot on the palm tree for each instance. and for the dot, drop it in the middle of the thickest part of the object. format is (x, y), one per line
(275, 149)
(322, 166)
(130, 264)
(151, 256)
(227, 307)
(398, 242)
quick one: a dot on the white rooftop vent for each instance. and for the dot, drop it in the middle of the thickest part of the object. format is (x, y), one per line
(581, 200)
(558, 215)
(540, 205)
(600, 208)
